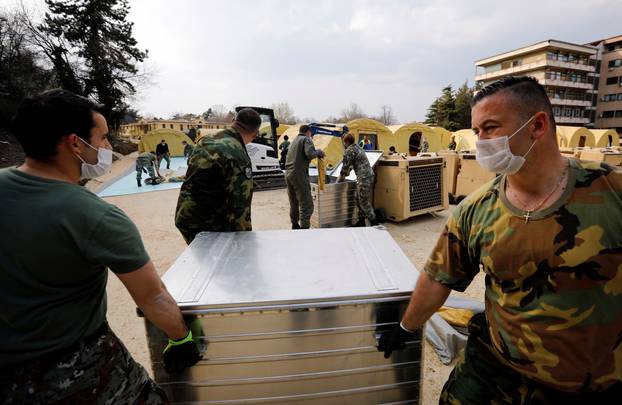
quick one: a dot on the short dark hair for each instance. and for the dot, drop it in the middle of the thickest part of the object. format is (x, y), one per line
(348, 138)
(530, 95)
(41, 121)
(304, 129)
(285, 137)
(249, 118)
(162, 141)
(392, 148)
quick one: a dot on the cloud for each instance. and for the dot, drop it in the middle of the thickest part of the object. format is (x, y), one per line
(321, 55)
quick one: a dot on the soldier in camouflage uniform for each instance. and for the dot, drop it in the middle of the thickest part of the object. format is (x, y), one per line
(145, 161)
(301, 153)
(355, 158)
(218, 190)
(548, 235)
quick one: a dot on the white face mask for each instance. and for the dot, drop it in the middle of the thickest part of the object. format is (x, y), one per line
(104, 161)
(496, 156)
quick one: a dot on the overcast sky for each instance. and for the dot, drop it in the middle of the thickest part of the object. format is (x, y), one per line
(322, 55)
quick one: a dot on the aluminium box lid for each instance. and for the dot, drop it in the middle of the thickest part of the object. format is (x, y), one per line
(272, 269)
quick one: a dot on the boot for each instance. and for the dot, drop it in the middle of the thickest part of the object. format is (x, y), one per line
(139, 183)
(360, 223)
(295, 225)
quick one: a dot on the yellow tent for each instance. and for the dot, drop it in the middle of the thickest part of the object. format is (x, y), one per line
(465, 139)
(573, 137)
(265, 129)
(173, 138)
(380, 136)
(332, 147)
(403, 135)
(445, 136)
(291, 132)
(602, 140)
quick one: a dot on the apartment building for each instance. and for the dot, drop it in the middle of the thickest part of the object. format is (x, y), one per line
(609, 86)
(567, 71)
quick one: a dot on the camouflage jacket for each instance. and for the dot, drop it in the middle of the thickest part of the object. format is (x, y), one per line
(218, 190)
(146, 158)
(355, 158)
(301, 153)
(553, 284)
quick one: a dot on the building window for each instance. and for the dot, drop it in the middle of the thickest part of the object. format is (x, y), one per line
(614, 63)
(577, 112)
(618, 113)
(612, 80)
(516, 63)
(608, 114)
(163, 125)
(557, 111)
(619, 96)
(550, 55)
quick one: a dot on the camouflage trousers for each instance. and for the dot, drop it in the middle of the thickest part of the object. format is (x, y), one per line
(481, 378)
(300, 200)
(144, 164)
(363, 199)
(98, 370)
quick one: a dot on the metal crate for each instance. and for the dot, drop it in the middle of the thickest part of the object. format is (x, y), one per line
(292, 317)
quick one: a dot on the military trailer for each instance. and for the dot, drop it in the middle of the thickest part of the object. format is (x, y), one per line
(292, 317)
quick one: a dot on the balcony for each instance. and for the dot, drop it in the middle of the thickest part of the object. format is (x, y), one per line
(570, 102)
(534, 66)
(511, 71)
(571, 65)
(571, 120)
(566, 83)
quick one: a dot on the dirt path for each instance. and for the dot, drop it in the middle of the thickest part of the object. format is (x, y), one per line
(153, 213)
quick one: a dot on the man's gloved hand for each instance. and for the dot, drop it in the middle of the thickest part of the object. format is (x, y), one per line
(180, 354)
(394, 339)
(320, 153)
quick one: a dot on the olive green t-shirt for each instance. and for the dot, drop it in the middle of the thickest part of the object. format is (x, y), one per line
(56, 241)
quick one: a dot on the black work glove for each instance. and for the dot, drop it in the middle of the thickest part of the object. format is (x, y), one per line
(180, 354)
(394, 339)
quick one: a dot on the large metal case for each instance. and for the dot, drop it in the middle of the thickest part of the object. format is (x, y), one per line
(471, 176)
(610, 156)
(335, 205)
(410, 186)
(292, 317)
(452, 164)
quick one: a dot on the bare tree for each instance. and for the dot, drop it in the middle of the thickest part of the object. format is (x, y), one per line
(219, 113)
(352, 112)
(284, 112)
(386, 115)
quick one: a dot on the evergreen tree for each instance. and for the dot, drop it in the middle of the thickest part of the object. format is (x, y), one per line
(452, 110)
(431, 117)
(98, 33)
(463, 98)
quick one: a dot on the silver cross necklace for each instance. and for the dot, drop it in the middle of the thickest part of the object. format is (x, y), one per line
(527, 213)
